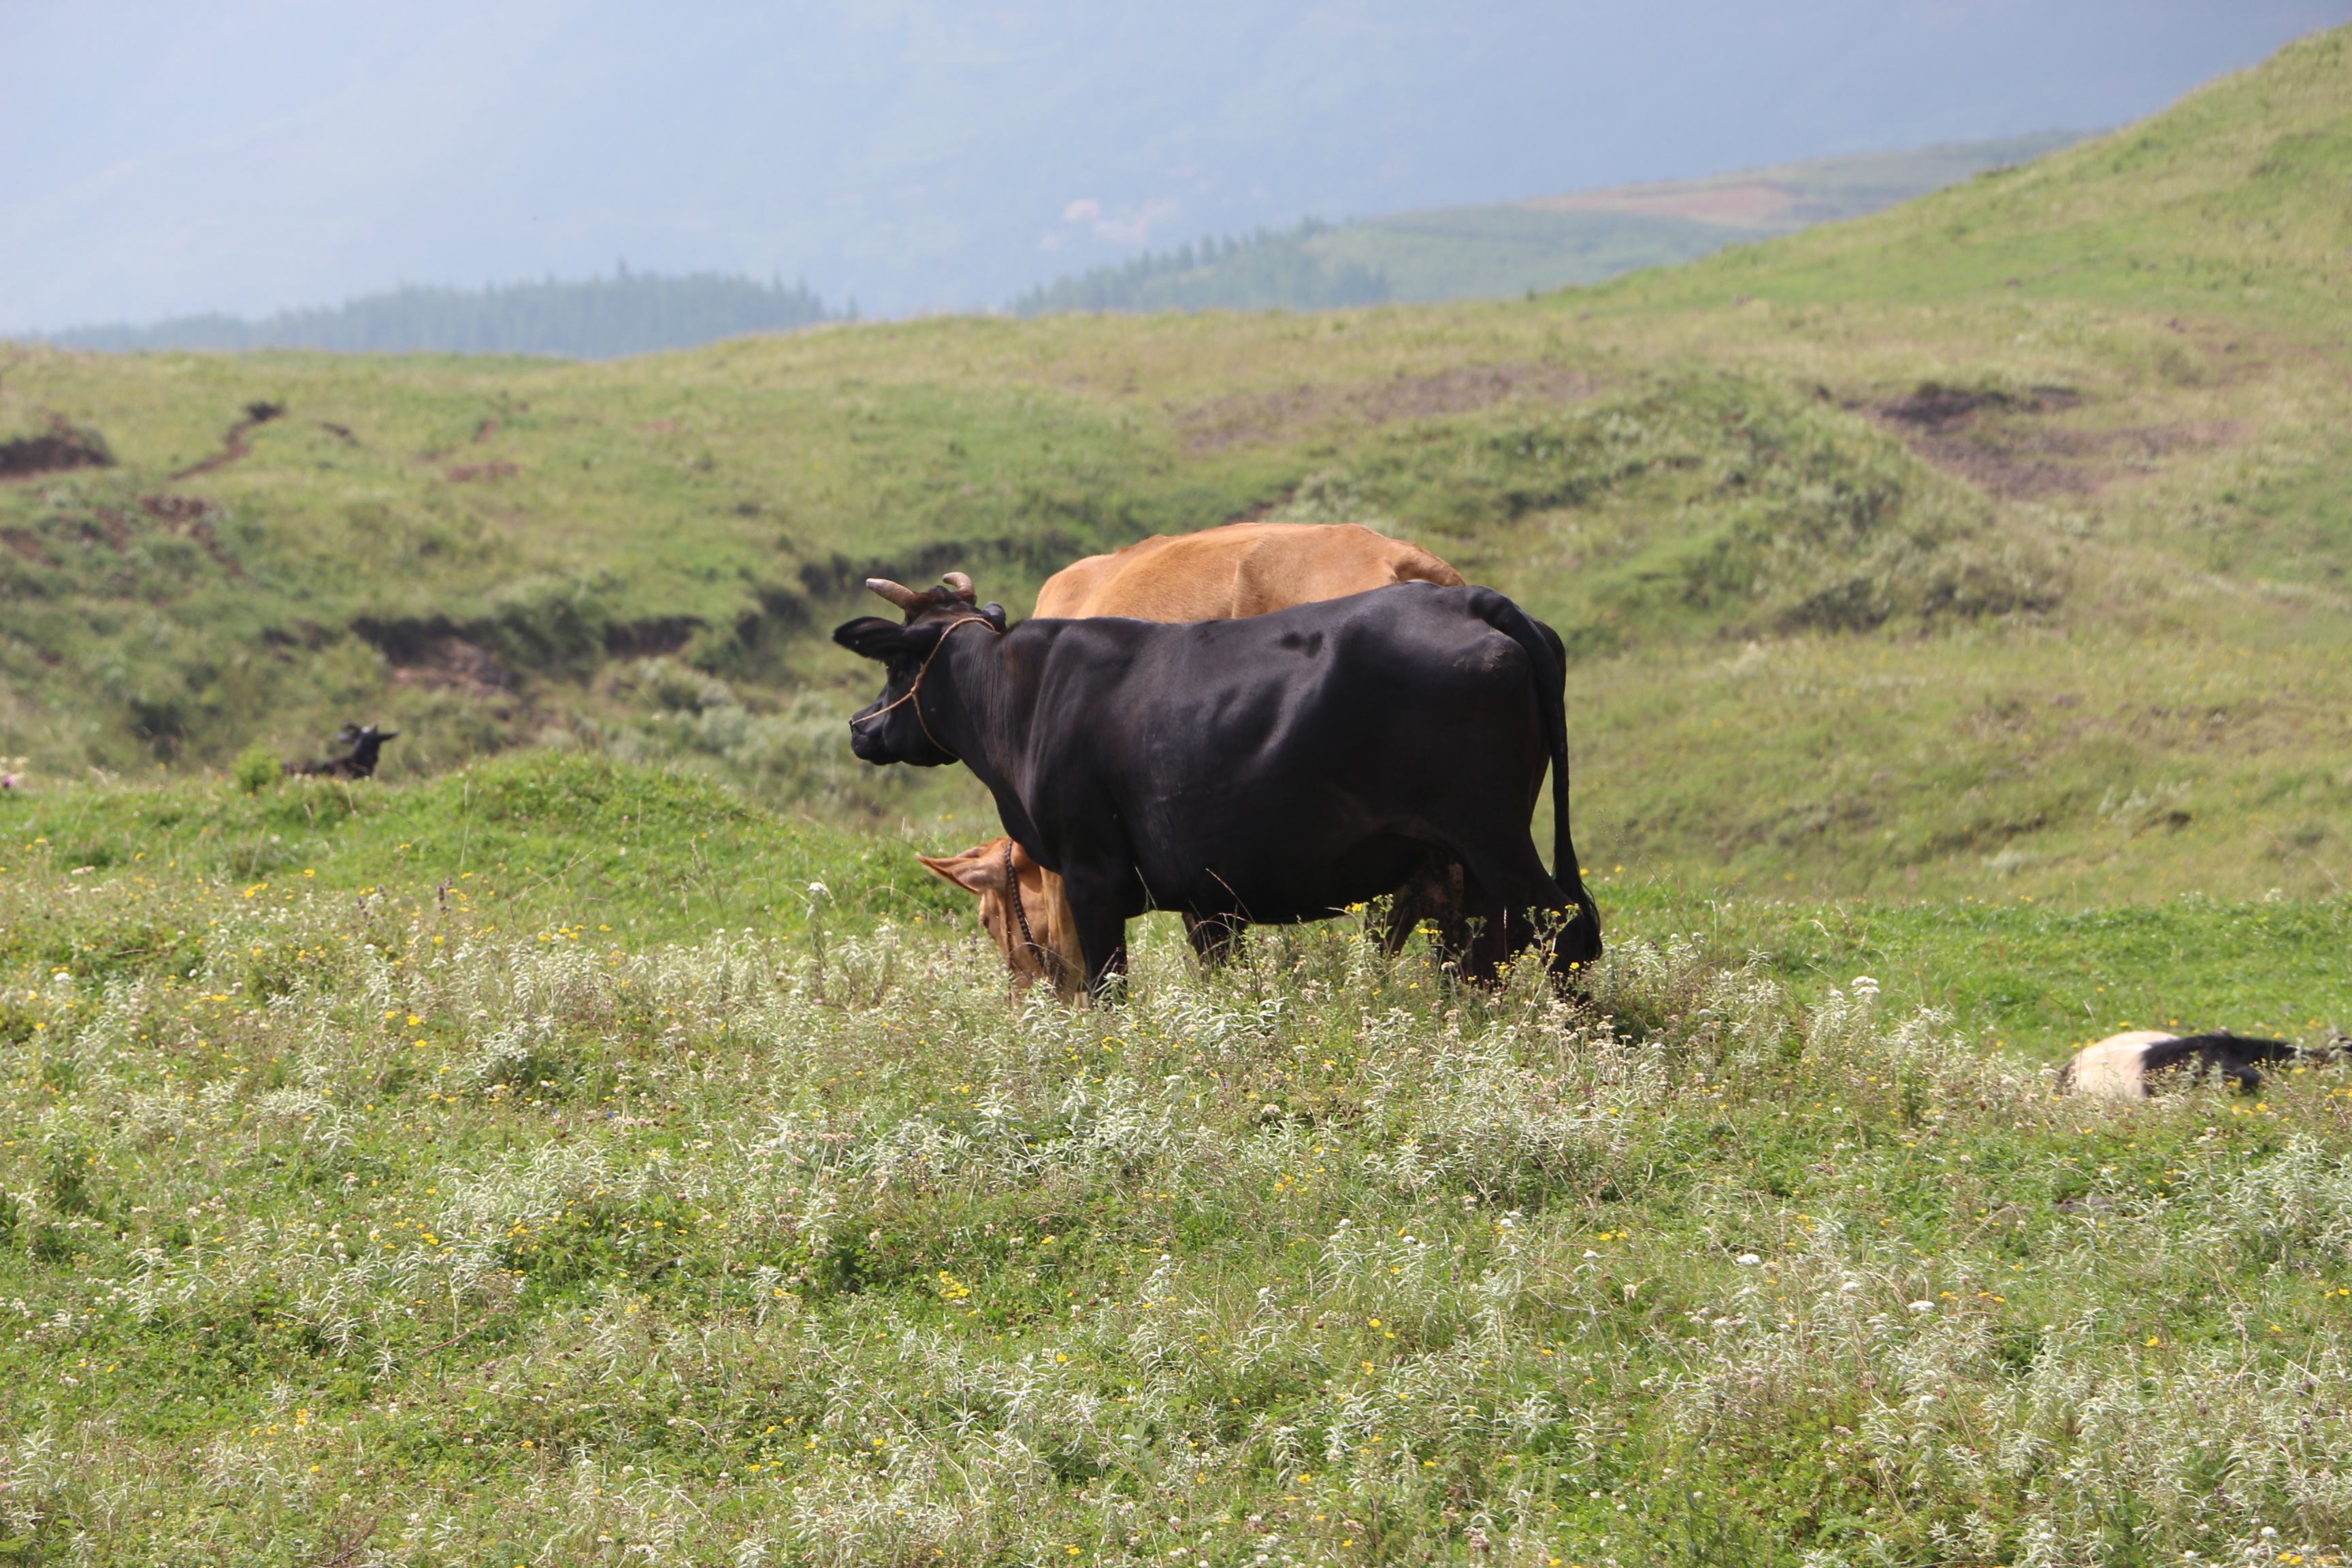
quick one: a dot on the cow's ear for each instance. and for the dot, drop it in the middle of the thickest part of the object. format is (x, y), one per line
(975, 871)
(871, 636)
(993, 614)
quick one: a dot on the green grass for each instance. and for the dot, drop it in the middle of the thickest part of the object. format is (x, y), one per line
(2039, 981)
(1818, 645)
(403, 1173)
(517, 843)
(503, 1228)
(2204, 209)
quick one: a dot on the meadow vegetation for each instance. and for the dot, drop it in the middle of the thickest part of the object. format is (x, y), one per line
(595, 1139)
(497, 1217)
(2038, 482)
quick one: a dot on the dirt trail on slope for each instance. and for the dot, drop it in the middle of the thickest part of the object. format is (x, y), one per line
(233, 445)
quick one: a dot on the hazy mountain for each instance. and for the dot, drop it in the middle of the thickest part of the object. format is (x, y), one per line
(600, 317)
(1442, 254)
(1506, 248)
(1265, 271)
(257, 156)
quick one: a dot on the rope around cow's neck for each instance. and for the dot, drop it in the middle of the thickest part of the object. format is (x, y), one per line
(1045, 961)
(911, 690)
(1052, 961)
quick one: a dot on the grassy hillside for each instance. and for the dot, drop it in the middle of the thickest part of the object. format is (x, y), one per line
(433, 1208)
(1505, 249)
(1991, 543)
(594, 1140)
(2221, 206)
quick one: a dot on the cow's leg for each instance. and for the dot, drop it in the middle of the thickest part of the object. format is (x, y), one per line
(1510, 892)
(1434, 895)
(2237, 1069)
(1476, 950)
(1213, 937)
(1099, 917)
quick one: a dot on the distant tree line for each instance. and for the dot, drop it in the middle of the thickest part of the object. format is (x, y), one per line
(1269, 270)
(601, 318)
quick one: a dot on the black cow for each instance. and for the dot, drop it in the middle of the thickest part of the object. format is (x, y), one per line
(366, 743)
(1274, 769)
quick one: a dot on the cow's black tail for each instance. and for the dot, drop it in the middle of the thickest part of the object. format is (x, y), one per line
(1548, 659)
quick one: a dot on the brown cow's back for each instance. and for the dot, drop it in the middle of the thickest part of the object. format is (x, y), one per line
(1241, 569)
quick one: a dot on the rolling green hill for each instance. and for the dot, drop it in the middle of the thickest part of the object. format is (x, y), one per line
(1503, 249)
(2224, 207)
(547, 1156)
(1996, 542)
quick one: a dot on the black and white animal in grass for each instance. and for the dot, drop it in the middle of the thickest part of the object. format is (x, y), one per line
(2133, 1065)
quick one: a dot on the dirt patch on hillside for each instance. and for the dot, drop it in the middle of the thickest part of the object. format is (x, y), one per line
(55, 450)
(1738, 203)
(1933, 406)
(195, 518)
(65, 538)
(164, 507)
(1255, 417)
(2028, 466)
(477, 473)
(233, 442)
(449, 662)
(651, 637)
(2003, 442)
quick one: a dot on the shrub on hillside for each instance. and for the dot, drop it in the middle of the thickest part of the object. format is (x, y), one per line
(257, 768)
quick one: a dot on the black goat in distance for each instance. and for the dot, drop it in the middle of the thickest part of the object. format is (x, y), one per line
(365, 740)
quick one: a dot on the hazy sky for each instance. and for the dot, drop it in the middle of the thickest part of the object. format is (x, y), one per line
(247, 156)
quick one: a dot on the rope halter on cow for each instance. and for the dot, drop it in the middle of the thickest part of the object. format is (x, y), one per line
(1049, 960)
(906, 599)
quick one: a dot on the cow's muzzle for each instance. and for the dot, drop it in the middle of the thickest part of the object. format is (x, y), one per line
(866, 740)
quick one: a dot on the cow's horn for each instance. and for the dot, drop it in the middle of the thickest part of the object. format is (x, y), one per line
(898, 594)
(960, 586)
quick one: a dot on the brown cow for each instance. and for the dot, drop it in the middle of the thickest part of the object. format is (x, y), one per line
(1241, 569)
(1022, 908)
(1217, 574)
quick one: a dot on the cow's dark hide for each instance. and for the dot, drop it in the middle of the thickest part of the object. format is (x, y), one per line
(366, 743)
(1272, 769)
